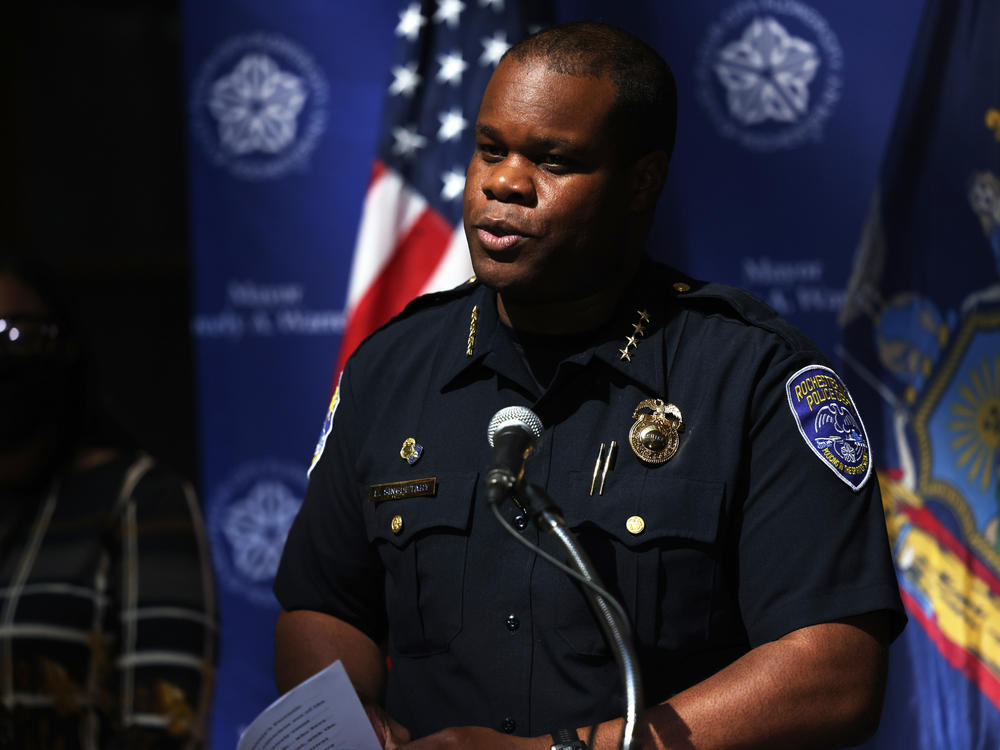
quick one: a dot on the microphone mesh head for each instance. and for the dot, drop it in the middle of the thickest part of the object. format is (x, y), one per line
(514, 416)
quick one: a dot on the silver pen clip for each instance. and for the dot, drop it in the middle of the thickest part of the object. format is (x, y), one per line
(601, 466)
(597, 469)
(607, 465)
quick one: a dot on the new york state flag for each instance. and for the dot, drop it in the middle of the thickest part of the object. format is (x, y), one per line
(921, 341)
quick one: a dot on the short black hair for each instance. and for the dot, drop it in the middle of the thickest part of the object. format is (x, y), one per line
(646, 110)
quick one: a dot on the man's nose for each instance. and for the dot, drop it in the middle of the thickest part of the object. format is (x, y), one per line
(510, 181)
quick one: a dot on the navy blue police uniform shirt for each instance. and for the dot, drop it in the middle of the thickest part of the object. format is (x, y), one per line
(763, 521)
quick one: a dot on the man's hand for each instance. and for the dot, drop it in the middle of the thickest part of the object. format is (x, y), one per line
(391, 734)
(305, 642)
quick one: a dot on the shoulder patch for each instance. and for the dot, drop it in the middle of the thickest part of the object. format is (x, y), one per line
(830, 424)
(327, 426)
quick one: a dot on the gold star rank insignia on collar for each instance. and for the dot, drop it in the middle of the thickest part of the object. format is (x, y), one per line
(638, 329)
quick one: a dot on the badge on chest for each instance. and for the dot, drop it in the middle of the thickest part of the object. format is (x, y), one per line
(655, 436)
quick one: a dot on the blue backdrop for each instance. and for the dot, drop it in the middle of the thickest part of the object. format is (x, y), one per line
(766, 192)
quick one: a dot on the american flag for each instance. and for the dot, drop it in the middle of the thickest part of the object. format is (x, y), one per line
(410, 240)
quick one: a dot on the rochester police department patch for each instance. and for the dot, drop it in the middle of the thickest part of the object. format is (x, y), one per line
(830, 423)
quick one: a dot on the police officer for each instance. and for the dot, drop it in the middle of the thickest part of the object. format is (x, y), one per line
(708, 459)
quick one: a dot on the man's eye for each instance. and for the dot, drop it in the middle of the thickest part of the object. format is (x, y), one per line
(556, 162)
(490, 151)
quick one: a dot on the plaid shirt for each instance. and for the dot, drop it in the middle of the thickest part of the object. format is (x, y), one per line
(107, 617)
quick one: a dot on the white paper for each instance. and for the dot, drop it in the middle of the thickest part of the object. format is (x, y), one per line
(322, 713)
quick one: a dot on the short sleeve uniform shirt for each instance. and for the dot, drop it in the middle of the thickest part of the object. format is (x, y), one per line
(761, 523)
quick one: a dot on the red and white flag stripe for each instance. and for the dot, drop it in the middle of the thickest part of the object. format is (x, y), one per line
(404, 249)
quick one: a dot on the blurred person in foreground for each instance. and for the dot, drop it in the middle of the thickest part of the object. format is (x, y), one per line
(107, 622)
(739, 522)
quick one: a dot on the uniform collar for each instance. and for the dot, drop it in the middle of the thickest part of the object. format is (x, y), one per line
(479, 340)
(635, 344)
(629, 331)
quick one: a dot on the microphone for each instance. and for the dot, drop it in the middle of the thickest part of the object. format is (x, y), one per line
(513, 433)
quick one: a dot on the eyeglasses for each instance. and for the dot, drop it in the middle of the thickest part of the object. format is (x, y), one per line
(28, 335)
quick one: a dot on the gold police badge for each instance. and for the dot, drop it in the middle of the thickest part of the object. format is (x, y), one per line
(655, 436)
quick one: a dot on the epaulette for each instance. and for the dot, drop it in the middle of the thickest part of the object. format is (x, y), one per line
(431, 299)
(737, 302)
(425, 302)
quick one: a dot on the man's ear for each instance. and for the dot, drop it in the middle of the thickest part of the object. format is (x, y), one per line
(646, 178)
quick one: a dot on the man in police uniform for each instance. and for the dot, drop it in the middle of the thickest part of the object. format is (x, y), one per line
(707, 458)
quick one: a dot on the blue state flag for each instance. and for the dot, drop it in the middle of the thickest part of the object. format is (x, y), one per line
(921, 340)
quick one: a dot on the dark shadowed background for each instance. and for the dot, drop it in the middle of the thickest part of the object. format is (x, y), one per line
(92, 179)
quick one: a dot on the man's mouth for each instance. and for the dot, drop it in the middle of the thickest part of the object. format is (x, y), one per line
(498, 241)
(499, 235)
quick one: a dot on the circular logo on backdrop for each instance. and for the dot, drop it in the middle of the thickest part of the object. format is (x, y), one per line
(258, 106)
(769, 74)
(248, 521)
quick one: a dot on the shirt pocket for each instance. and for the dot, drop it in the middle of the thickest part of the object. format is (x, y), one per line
(653, 540)
(422, 542)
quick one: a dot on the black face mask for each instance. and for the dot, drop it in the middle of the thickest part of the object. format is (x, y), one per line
(34, 396)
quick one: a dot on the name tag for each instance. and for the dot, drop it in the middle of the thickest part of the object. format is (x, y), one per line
(426, 487)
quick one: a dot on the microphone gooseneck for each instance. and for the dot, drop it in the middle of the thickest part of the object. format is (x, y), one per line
(513, 433)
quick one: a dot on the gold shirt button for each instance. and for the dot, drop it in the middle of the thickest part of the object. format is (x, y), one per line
(635, 524)
(682, 286)
(396, 524)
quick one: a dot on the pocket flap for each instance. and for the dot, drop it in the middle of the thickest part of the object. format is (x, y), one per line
(665, 506)
(398, 520)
